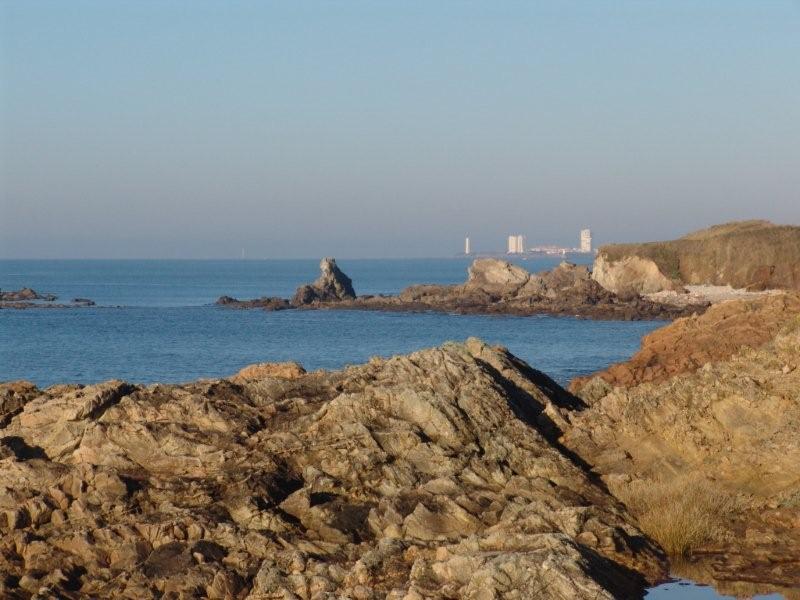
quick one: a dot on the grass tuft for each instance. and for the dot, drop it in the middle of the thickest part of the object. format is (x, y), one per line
(682, 515)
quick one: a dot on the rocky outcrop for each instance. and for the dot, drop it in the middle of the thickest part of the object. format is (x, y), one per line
(435, 475)
(493, 287)
(631, 275)
(689, 343)
(24, 294)
(333, 285)
(284, 370)
(268, 303)
(495, 275)
(711, 403)
(756, 255)
(498, 287)
(29, 298)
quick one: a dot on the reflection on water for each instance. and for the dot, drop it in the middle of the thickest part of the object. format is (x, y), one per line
(695, 581)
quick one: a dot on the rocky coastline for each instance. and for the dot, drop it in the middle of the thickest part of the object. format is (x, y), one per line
(493, 287)
(29, 298)
(433, 475)
(445, 473)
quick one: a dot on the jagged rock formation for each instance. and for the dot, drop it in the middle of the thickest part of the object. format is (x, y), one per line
(433, 475)
(720, 403)
(498, 287)
(689, 343)
(756, 255)
(333, 285)
(493, 287)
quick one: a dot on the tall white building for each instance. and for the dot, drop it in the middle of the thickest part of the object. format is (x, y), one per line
(586, 240)
(516, 244)
(467, 248)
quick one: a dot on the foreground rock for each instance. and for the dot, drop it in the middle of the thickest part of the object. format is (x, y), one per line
(754, 255)
(431, 475)
(493, 287)
(703, 422)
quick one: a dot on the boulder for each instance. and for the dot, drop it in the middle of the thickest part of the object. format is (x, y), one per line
(491, 274)
(631, 275)
(283, 370)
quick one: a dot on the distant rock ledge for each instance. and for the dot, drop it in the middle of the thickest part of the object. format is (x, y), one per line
(30, 298)
(493, 287)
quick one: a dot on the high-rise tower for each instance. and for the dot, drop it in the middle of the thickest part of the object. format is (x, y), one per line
(516, 244)
(586, 240)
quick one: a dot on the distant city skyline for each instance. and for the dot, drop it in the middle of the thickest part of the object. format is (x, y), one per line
(197, 128)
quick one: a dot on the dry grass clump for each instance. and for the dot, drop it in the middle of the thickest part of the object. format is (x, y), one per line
(681, 514)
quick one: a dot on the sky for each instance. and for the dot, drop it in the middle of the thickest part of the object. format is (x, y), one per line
(196, 129)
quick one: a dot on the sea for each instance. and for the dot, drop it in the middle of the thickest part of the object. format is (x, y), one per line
(156, 321)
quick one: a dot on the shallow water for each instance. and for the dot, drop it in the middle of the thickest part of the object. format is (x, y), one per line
(684, 589)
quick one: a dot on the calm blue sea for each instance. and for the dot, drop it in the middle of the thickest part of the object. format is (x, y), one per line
(156, 321)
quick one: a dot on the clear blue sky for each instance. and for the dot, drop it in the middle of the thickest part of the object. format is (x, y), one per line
(301, 129)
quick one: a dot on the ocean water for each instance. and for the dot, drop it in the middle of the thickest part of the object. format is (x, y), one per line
(156, 321)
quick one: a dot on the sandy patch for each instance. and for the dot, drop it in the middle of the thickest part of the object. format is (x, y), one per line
(696, 294)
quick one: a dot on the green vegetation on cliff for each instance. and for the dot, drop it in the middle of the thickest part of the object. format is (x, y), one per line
(756, 254)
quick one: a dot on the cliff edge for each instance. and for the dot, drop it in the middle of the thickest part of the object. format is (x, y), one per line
(754, 255)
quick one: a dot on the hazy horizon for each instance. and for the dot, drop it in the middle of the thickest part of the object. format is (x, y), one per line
(193, 129)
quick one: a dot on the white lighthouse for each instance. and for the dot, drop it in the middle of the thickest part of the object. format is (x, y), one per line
(467, 247)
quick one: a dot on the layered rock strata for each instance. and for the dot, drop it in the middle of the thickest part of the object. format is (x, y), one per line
(433, 475)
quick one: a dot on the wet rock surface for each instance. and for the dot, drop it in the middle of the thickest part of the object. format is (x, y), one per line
(694, 407)
(435, 475)
(493, 287)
